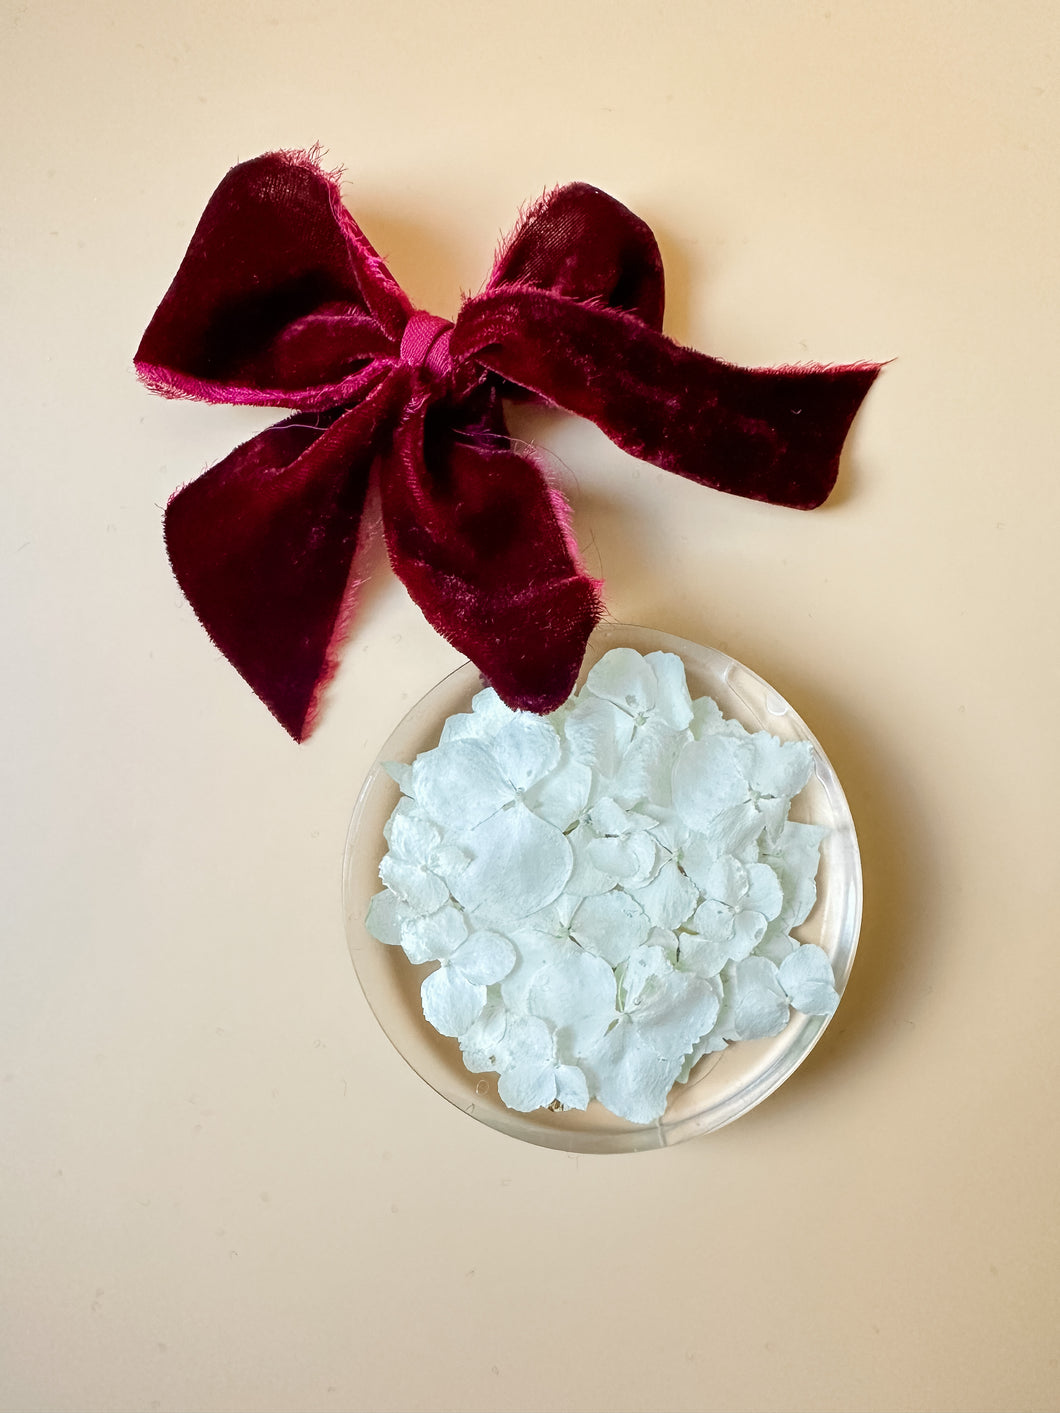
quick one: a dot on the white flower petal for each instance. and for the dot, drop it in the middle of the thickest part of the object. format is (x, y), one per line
(714, 921)
(629, 860)
(560, 798)
(734, 830)
(806, 975)
(485, 958)
(400, 773)
(775, 946)
(779, 768)
(795, 861)
(607, 817)
(698, 857)
(646, 769)
(672, 701)
(434, 938)
(759, 1004)
(764, 893)
(527, 1041)
(576, 996)
(423, 891)
(627, 1076)
(586, 879)
(386, 917)
(622, 676)
(480, 1041)
(598, 734)
(460, 784)
(727, 881)
(705, 956)
(519, 864)
(450, 1002)
(669, 899)
(709, 777)
(412, 837)
(527, 1087)
(572, 1089)
(610, 925)
(671, 1009)
(526, 749)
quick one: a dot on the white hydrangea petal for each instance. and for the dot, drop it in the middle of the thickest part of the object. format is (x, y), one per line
(734, 830)
(519, 864)
(526, 749)
(669, 899)
(758, 1003)
(705, 956)
(480, 1041)
(436, 937)
(459, 783)
(400, 773)
(386, 917)
(795, 862)
(527, 1041)
(714, 921)
(598, 734)
(709, 720)
(461, 726)
(622, 676)
(666, 941)
(646, 769)
(709, 777)
(528, 1086)
(485, 958)
(773, 814)
(448, 861)
(748, 930)
(610, 925)
(672, 701)
(671, 1009)
(627, 860)
(698, 857)
(572, 1088)
(806, 975)
(422, 890)
(412, 837)
(585, 878)
(764, 893)
(607, 817)
(727, 881)
(779, 768)
(775, 946)
(451, 1003)
(535, 951)
(561, 797)
(490, 712)
(627, 1076)
(575, 995)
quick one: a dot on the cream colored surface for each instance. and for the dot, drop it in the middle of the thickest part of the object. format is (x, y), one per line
(222, 1189)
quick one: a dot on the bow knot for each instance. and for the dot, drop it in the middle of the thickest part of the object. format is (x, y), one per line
(425, 344)
(281, 300)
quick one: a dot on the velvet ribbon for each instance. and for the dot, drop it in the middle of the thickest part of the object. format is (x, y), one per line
(281, 300)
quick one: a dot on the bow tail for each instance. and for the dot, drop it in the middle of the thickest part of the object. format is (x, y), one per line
(772, 434)
(485, 549)
(262, 545)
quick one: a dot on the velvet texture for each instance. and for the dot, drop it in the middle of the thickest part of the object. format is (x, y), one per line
(281, 300)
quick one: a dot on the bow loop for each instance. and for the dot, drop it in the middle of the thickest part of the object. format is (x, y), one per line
(580, 243)
(281, 300)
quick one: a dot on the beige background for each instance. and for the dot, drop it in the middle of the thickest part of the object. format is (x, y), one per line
(222, 1188)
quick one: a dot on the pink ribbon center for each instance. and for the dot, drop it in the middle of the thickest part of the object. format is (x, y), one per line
(425, 344)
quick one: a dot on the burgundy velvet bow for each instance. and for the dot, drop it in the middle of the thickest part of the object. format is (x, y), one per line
(281, 300)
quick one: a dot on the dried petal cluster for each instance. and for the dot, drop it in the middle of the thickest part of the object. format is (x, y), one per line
(610, 891)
